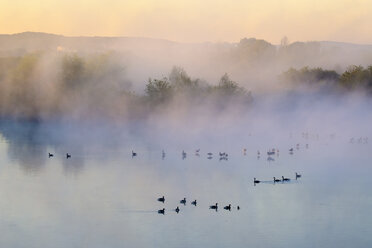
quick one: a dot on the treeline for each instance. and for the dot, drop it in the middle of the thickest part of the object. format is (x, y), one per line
(68, 85)
(354, 78)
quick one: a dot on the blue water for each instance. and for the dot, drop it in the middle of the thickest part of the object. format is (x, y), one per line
(102, 197)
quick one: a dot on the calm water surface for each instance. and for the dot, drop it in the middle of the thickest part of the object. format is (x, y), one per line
(105, 198)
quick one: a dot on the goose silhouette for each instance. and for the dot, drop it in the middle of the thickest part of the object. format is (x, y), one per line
(228, 207)
(193, 203)
(68, 155)
(256, 181)
(50, 154)
(161, 199)
(183, 201)
(161, 211)
(134, 154)
(285, 179)
(214, 207)
(276, 180)
(177, 210)
(298, 175)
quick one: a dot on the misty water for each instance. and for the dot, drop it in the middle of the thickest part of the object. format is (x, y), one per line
(104, 197)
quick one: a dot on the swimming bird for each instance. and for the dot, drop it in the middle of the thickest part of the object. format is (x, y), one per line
(209, 154)
(183, 201)
(228, 207)
(256, 181)
(50, 154)
(134, 154)
(291, 150)
(238, 208)
(298, 175)
(161, 199)
(193, 203)
(162, 154)
(68, 155)
(276, 180)
(214, 207)
(177, 209)
(161, 211)
(285, 179)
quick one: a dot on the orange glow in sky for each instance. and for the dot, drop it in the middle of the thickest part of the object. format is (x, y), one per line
(193, 20)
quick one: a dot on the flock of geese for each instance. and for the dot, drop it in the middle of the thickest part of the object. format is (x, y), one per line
(222, 155)
(277, 180)
(50, 155)
(183, 201)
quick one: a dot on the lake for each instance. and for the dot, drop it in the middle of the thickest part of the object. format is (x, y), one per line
(104, 197)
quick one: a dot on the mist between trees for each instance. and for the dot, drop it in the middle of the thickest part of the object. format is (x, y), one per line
(39, 86)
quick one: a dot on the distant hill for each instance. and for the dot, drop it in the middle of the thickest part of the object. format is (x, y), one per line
(252, 62)
(37, 41)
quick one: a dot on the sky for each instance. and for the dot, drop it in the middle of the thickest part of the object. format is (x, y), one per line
(194, 20)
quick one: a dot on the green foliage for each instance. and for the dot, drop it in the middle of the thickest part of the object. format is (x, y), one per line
(180, 80)
(73, 71)
(356, 77)
(228, 87)
(312, 76)
(159, 90)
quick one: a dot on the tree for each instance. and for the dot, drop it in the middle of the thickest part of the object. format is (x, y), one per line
(180, 80)
(284, 41)
(159, 90)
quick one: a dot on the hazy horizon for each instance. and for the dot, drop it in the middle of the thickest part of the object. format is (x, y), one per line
(194, 21)
(276, 43)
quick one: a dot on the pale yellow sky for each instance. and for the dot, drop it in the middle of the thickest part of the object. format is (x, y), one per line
(194, 20)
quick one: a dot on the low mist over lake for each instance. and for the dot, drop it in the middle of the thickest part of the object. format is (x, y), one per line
(127, 141)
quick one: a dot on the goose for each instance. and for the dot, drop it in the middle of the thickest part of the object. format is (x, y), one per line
(183, 201)
(298, 175)
(209, 154)
(238, 208)
(285, 179)
(50, 154)
(134, 154)
(193, 203)
(276, 180)
(291, 150)
(228, 207)
(177, 209)
(256, 181)
(197, 150)
(161, 199)
(214, 206)
(161, 211)
(68, 155)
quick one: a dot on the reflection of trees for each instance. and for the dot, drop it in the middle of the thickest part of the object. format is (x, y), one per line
(25, 144)
(30, 141)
